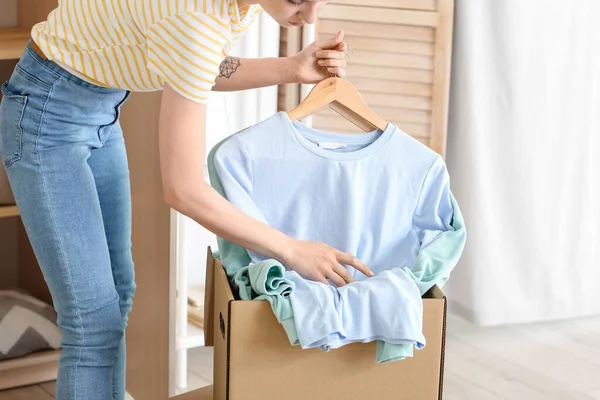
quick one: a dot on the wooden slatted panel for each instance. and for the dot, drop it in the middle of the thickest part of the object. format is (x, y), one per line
(397, 101)
(373, 30)
(400, 64)
(443, 57)
(330, 122)
(383, 59)
(365, 85)
(355, 70)
(387, 45)
(393, 114)
(430, 5)
(379, 15)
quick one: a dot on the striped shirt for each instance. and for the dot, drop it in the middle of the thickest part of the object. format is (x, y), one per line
(139, 45)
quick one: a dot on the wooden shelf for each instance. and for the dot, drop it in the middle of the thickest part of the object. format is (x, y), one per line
(13, 42)
(35, 368)
(9, 211)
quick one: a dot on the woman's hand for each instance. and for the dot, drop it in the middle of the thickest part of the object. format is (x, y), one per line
(320, 60)
(320, 262)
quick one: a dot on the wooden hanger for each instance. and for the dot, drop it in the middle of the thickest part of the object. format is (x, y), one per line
(342, 97)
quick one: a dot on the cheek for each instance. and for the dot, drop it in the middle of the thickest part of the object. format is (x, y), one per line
(284, 10)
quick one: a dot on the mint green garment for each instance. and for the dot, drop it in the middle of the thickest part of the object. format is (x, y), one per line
(265, 280)
(435, 262)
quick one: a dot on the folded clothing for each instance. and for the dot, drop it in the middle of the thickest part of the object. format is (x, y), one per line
(266, 280)
(326, 329)
(386, 307)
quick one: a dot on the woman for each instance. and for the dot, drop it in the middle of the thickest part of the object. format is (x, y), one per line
(63, 150)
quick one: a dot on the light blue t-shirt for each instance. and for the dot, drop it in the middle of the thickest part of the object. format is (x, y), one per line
(382, 196)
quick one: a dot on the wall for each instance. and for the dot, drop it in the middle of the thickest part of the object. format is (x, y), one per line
(8, 16)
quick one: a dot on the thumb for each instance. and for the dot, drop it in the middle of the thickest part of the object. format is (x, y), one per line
(331, 42)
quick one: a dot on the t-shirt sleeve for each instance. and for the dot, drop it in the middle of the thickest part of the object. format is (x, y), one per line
(433, 213)
(439, 225)
(234, 168)
(185, 50)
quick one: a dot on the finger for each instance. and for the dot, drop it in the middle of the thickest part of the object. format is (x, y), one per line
(336, 279)
(331, 42)
(333, 54)
(349, 259)
(344, 273)
(340, 72)
(332, 63)
(323, 280)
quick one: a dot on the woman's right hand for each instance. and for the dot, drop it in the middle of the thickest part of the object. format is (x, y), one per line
(319, 262)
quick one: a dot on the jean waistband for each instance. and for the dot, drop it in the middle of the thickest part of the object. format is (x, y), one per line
(47, 71)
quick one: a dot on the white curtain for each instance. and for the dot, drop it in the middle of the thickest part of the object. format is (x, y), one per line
(524, 159)
(228, 113)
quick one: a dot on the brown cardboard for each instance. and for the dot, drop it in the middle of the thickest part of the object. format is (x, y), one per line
(209, 299)
(254, 360)
(205, 393)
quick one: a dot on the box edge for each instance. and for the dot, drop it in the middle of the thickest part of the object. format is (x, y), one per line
(228, 360)
(443, 350)
(209, 299)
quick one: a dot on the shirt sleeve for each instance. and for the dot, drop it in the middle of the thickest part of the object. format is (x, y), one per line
(440, 227)
(186, 49)
(234, 176)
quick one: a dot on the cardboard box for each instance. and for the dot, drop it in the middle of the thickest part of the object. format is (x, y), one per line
(253, 358)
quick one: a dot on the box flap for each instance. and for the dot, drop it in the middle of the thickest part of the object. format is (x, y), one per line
(209, 300)
(223, 298)
(205, 393)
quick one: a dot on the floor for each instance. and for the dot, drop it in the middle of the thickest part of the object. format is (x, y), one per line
(548, 361)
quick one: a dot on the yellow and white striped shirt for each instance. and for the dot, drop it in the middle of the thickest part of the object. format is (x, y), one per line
(139, 45)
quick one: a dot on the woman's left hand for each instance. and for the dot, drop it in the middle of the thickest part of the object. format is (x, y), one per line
(321, 60)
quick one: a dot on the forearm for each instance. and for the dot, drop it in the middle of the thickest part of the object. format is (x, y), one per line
(182, 129)
(250, 73)
(207, 207)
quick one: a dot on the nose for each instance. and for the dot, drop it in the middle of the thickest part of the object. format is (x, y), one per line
(309, 15)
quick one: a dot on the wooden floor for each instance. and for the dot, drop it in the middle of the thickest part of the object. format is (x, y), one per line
(38, 392)
(549, 361)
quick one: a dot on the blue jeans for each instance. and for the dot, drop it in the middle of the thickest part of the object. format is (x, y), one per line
(62, 147)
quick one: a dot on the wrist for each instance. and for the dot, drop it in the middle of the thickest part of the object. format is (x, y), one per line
(285, 249)
(291, 74)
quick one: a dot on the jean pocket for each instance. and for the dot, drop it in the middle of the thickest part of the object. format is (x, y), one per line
(12, 108)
